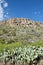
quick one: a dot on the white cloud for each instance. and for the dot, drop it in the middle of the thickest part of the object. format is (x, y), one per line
(7, 13)
(3, 14)
(0, 0)
(5, 4)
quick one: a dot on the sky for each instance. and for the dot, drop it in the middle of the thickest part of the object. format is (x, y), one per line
(31, 9)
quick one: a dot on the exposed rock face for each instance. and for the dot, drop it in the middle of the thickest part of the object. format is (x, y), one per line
(23, 21)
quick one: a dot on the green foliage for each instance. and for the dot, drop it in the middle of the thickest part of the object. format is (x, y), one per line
(19, 44)
(22, 54)
(1, 32)
(10, 46)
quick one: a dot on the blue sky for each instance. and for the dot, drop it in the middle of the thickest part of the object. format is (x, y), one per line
(32, 9)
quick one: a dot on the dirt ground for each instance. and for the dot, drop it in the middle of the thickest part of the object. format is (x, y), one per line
(9, 63)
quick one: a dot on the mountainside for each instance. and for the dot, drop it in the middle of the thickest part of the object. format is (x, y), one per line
(21, 42)
(20, 30)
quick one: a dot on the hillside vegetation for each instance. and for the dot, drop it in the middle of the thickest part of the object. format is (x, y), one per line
(21, 42)
(20, 30)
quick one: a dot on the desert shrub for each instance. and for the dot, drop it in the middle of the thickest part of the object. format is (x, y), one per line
(13, 33)
(2, 40)
(5, 31)
(1, 32)
(25, 55)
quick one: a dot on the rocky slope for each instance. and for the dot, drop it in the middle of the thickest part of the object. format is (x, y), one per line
(20, 30)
